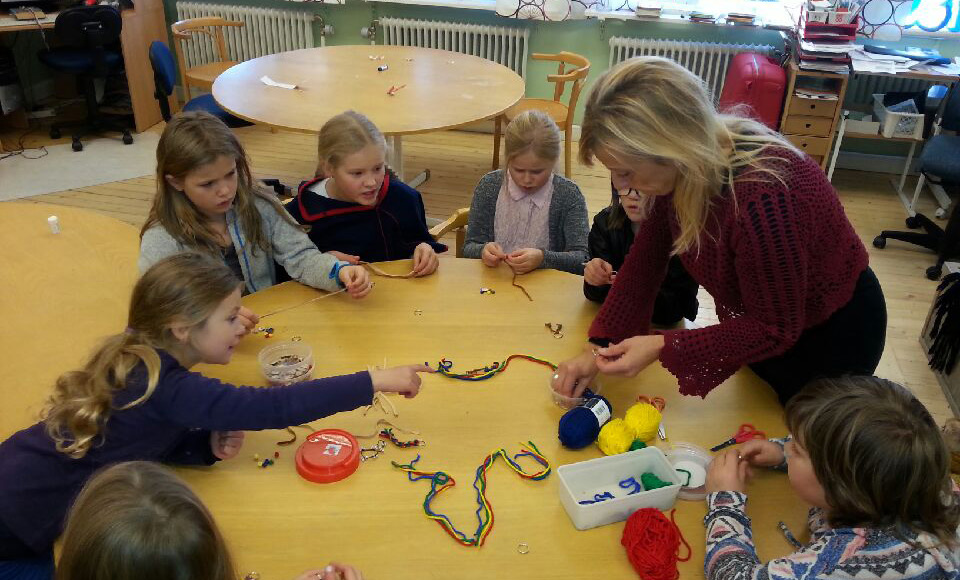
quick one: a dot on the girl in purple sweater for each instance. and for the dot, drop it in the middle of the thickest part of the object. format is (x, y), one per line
(136, 399)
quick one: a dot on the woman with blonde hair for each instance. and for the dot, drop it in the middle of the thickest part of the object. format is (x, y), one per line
(526, 215)
(139, 521)
(753, 220)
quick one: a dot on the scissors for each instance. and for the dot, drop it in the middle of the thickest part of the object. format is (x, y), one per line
(746, 432)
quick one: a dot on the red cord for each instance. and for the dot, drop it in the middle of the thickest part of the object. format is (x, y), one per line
(652, 542)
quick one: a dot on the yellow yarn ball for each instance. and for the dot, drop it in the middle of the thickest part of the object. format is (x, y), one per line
(615, 437)
(644, 419)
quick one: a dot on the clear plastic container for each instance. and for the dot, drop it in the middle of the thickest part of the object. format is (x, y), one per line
(286, 363)
(695, 460)
(570, 402)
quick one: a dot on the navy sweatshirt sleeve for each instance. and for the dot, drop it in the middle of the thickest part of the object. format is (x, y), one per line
(193, 449)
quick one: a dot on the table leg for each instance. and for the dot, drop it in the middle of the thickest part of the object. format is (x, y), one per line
(836, 145)
(395, 143)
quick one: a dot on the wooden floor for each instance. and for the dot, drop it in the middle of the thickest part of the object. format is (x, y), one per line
(458, 159)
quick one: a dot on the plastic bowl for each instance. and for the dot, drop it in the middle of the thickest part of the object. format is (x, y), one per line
(286, 363)
(687, 455)
(570, 402)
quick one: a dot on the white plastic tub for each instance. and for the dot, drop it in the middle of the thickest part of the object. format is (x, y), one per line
(582, 481)
(893, 124)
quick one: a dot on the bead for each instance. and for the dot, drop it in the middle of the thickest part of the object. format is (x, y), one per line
(276, 455)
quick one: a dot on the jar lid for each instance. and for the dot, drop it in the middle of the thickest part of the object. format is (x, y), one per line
(328, 455)
(692, 462)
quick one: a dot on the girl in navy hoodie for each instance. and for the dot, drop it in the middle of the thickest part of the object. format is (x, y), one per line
(357, 209)
(136, 399)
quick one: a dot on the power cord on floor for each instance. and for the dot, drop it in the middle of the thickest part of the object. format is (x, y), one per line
(22, 151)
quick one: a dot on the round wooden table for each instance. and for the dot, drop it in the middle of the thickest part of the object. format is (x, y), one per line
(441, 89)
(61, 294)
(279, 524)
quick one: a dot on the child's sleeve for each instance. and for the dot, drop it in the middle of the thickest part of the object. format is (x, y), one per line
(299, 256)
(193, 449)
(483, 210)
(155, 245)
(598, 246)
(574, 229)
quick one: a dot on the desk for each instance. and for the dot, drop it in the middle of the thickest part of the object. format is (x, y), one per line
(141, 26)
(443, 89)
(279, 525)
(61, 294)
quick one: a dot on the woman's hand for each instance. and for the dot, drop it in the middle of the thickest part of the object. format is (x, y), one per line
(762, 453)
(425, 260)
(525, 260)
(598, 272)
(492, 254)
(344, 257)
(248, 318)
(629, 357)
(727, 472)
(356, 280)
(334, 571)
(574, 375)
(226, 444)
(403, 380)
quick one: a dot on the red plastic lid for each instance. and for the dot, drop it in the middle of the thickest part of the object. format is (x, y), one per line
(328, 455)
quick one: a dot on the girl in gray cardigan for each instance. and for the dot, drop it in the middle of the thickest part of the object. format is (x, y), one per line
(206, 202)
(526, 215)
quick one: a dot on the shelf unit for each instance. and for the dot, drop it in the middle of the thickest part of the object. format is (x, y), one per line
(811, 124)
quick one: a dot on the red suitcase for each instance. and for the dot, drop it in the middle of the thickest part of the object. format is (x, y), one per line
(757, 81)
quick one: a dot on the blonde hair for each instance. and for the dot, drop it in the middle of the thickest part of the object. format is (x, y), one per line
(181, 289)
(139, 521)
(189, 141)
(344, 135)
(652, 109)
(878, 454)
(532, 130)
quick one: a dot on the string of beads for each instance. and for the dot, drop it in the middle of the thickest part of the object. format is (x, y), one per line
(487, 372)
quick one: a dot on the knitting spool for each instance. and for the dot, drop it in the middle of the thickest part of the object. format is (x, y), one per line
(327, 456)
(689, 458)
(580, 425)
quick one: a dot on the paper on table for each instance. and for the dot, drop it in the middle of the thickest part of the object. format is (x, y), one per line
(272, 83)
(828, 47)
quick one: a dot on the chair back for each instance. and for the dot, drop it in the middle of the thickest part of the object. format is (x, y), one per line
(951, 110)
(164, 73)
(90, 27)
(571, 68)
(185, 30)
(455, 223)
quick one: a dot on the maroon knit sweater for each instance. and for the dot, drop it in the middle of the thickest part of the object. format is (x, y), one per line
(777, 261)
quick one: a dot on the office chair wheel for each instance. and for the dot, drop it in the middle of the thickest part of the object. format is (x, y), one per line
(912, 222)
(940, 213)
(933, 272)
(880, 242)
(127, 138)
(55, 133)
(77, 145)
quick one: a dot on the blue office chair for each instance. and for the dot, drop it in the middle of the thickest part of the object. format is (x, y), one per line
(90, 35)
(164, 73)
(939, 163)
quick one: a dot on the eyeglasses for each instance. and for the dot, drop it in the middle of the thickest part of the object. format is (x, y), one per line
(629, 191)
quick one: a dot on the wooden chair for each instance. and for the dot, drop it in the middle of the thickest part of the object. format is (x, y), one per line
(202, 76)
(456, 222)
(561, 113)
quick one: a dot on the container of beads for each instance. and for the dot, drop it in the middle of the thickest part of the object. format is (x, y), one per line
(286, 363)
(691, 463)
(565, 402)
(602, 491)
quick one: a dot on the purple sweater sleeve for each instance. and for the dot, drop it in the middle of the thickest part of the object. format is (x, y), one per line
(192, 400)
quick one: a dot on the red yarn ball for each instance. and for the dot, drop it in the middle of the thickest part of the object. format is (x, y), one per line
(652, 542)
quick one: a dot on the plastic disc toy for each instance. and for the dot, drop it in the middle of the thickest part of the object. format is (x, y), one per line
(328, 455)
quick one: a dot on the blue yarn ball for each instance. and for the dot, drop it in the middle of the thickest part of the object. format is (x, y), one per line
(580, 426)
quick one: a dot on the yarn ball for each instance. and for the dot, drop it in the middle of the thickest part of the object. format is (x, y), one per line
(615, 437)
(651, 481)
(580, 426)
(644, 419)
(637, 444)
(652, 542)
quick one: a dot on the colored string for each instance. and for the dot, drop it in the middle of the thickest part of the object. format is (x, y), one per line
(513, 282)
(380, 272)
(440, 481)
(304, 303)
(652, 542)
(487, 372)
(293, 434)
(381, 425)
(389, 436)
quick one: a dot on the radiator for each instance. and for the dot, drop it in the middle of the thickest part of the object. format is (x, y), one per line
(506, 45)
(708, 60)
(861, 87)
(265, 31)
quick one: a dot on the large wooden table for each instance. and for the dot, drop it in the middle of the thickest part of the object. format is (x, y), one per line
(443, 89)
(279, 524)
(61, 293)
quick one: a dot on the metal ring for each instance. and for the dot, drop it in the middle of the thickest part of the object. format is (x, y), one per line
(296, 339)
(523, 548)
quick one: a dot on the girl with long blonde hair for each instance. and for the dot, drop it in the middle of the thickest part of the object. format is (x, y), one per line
(136, 398)
(356, 208)
(753, 220)
(527, 216)
(139, 521)
(207, 202)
